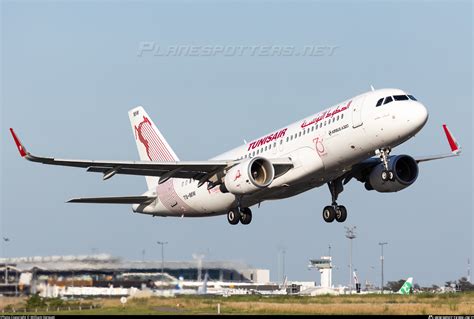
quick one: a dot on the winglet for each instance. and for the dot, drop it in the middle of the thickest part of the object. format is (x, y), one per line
(20, 146)
(455, 149)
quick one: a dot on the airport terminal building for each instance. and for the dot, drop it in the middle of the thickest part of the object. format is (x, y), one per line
(116, 276)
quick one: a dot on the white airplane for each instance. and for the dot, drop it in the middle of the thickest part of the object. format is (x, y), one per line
(352, 139)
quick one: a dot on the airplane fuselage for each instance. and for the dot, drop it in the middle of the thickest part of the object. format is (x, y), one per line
(322, 147)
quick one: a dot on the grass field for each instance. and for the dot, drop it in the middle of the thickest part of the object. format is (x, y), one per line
(424, 304)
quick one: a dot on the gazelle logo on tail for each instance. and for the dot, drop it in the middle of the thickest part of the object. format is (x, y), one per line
(151, 144)
(406, 288)
(155, 149)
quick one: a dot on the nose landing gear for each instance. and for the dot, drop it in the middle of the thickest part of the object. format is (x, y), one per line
(387, 175)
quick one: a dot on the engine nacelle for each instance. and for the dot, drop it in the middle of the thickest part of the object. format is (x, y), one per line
(249, 176)
(405, 172)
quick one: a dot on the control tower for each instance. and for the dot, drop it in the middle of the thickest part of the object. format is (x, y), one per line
(324, 266)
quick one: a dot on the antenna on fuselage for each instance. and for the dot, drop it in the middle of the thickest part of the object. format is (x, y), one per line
(372, 88)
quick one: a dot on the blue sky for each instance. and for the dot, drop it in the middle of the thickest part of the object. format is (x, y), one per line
(71, 71)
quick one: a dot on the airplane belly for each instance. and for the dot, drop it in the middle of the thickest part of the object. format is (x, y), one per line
(307, 161)
(176, 199)
(213, 201)
(172, 198)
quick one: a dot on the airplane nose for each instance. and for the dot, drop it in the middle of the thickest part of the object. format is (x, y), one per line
(420, 115)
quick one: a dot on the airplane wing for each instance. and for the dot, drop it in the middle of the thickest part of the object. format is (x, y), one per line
(114, 200)
(455, 149)
(362, 169)
(199, 170)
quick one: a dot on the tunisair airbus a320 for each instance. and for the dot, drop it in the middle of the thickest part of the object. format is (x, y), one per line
(351, 140)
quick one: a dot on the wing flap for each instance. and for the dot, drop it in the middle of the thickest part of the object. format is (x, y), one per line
(114, 200)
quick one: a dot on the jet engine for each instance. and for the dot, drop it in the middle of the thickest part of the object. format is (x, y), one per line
(248, 176)
(405, 172)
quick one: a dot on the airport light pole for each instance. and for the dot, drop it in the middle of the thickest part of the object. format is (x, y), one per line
(281, 263)
(381, 263)
(350, 234)
(283, 255)
(162, 243)
(5, 241)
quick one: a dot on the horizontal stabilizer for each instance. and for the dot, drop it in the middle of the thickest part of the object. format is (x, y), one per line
(114, 200)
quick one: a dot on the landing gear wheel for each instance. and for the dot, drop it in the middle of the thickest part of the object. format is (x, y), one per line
(329, 214)
(233, 217)
(390, 175)
(245, 216)
(341, 214)
(387, 175)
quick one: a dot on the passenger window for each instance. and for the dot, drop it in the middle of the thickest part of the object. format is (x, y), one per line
(324, 123)
(281, 141)
(253, 153)
(320, 124)
(333, 119)
(304, 132)
(312, 128)
(379, 102)
(287, 138)
(400, 97)
(299, 134)
(412, 98)
(342, 115)
(291, 137)
(266, 147)
(388, 99)
(337, 118)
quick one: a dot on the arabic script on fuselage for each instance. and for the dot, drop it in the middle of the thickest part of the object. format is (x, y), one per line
(326, 115)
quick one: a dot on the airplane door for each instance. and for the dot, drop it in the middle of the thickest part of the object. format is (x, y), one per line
(357, 105)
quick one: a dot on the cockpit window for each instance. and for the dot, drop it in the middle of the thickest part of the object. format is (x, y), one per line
(400, 97)
(388, 99)
(379, 102)
(412, 98)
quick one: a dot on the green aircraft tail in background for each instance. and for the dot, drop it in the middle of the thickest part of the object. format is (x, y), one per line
(405, 289)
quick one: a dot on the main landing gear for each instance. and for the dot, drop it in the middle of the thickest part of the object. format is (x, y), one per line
(335, 211)
(387, 175)
(242, 215)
